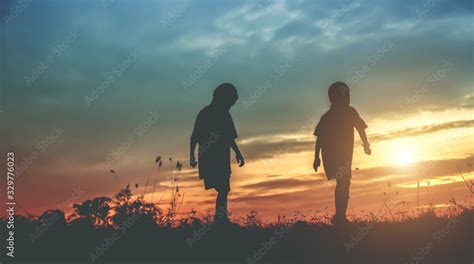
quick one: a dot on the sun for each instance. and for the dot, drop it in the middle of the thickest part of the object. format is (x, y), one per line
(404, 157)
(403, 153)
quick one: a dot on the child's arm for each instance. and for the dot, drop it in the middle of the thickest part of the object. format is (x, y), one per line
(240, 158)
(192, 158)
(365, 142)
(317, 160)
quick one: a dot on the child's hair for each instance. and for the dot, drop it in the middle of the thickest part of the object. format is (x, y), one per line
(337, 91)
(225, 95)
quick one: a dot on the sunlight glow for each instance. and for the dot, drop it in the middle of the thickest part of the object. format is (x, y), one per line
(404, 157)
(403, 153)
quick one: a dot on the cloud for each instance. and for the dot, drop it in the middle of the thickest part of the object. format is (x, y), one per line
(423, 170)
(303, 193)
(268, 146)
(297, 28)
(281, 184)
(423, 130)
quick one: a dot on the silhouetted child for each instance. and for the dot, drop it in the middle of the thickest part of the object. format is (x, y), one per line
(215, 132)
(335, 132)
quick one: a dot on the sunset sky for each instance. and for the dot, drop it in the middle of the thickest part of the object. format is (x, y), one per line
(94, 85)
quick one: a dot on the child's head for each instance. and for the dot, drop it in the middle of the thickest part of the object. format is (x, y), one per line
(339, 94)
(225, 95)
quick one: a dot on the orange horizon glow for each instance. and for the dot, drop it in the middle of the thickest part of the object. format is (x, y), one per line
(286, 183)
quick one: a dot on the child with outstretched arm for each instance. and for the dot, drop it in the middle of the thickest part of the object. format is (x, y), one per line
(335, 140)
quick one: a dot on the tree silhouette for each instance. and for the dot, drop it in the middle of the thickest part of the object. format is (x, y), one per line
(56, 216)
(125, 207)
(95, 211)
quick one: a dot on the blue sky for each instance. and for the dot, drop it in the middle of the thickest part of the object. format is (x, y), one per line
(149, 48)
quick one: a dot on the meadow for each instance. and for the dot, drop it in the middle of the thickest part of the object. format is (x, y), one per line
(125, 228)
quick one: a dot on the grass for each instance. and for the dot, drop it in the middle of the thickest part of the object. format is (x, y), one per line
(125, 228)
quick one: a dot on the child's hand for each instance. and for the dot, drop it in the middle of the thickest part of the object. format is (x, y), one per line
(367, 149)
(316, 164)
(192, 161)
(240, 159)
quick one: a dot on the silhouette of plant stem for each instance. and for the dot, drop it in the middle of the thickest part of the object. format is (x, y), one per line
(460, 173)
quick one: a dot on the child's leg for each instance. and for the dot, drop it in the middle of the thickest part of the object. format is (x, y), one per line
(221, 205)
(342, 196)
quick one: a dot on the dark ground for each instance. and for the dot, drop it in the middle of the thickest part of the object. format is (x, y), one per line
(427, 239)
